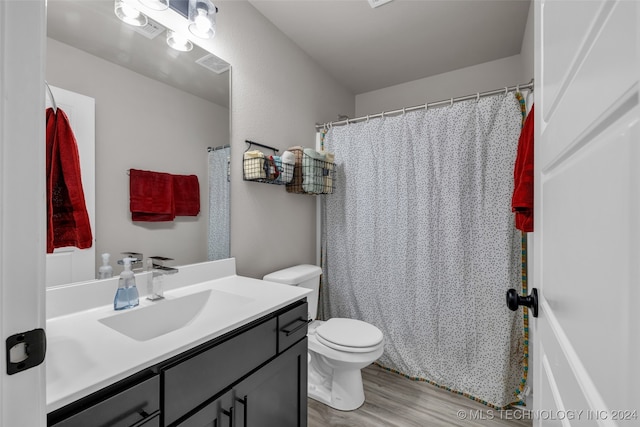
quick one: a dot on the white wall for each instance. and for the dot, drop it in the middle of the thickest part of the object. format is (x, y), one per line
(158, 128)
(278, 94)
(478, 78)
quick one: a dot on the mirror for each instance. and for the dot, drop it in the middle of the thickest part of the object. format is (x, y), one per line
(156, 109)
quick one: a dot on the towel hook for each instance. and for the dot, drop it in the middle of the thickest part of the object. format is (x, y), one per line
(53, 100)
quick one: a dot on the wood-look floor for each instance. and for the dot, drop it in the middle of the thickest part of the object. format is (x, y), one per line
(393, 400)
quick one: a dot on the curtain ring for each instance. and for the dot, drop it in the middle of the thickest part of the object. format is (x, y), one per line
(367, 118)
(403, 110)
(426, 106)
(518, 88)
(477, 96)
(451, 105)
(506, 90)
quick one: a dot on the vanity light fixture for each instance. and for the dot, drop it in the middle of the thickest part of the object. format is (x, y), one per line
(202, 18)
(178, 42)
(129, 14)
(156, 4)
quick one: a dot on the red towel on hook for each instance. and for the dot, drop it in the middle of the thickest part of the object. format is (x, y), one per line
(522, 201)
(186, 192)
(151, 196)
(67, 218)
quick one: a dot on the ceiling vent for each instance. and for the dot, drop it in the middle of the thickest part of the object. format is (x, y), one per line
(213, 63)
(378, 3)
(151, 30)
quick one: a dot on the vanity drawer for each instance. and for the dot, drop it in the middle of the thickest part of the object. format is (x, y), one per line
(198, 379)
(135, 406)
(292, 326)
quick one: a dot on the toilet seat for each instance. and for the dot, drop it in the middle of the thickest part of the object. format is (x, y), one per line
(349, 335)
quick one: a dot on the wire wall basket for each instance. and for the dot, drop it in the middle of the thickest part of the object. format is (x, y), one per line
(303, 171)
(258, 167)
(311, 175)
(267, 169)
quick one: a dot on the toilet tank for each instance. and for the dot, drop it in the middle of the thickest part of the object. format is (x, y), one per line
(305, 276)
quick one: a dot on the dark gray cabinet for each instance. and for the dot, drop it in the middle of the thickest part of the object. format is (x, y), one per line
(253, 376)
(271, 396)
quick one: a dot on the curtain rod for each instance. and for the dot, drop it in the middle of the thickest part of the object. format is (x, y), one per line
(218, 148)
(427, 105)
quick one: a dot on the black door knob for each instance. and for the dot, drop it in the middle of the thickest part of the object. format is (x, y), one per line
(514, 300)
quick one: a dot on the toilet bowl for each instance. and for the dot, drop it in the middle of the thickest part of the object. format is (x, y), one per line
(338, 348)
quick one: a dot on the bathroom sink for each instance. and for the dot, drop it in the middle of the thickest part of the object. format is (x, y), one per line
(168, 315)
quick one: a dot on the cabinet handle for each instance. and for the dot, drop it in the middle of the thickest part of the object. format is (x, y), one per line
(229, 414)
(244, 408)
(145, 417)
(288, 328)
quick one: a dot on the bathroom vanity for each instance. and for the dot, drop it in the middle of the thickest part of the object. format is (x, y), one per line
(247, 366)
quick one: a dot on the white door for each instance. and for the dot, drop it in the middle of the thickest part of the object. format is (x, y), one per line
(587, 213)
(22, 204)
(68, 265)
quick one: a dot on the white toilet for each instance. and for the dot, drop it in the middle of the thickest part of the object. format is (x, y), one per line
(338, 348)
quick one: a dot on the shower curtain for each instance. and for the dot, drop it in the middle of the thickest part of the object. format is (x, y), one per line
(219, 204)
(419, 240)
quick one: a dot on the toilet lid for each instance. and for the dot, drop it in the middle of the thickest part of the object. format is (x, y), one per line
(349, 333)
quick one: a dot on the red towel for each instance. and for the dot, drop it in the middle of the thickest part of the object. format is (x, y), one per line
(522, 201)
(151, 196)
(67, 218)
(186, 192)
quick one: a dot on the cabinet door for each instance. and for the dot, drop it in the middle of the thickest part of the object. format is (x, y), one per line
(218, 413)
(191, 383)
(276, 395)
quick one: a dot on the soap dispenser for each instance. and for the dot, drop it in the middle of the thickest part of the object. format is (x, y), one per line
(105, 271)
(127, 293)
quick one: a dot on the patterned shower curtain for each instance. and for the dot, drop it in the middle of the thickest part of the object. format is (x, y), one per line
(219, 204)
(419, 240)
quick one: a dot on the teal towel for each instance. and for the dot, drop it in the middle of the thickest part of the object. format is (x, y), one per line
(312, 171)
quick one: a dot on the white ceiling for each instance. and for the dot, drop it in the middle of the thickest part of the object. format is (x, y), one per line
(367, 49)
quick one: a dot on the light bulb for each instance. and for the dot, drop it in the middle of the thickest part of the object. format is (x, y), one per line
(202, 18)
(130, 12)
(178, 42)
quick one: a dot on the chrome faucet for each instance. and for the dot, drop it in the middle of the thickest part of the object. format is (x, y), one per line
(155, 265)
(136, 264)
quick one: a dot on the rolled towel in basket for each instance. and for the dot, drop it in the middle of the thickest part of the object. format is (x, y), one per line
(274, 167)
(328, 173)
(253, 165)
(288, 163)
(312, 167)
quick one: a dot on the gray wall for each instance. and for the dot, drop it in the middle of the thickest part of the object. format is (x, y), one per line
(478, 78)
(527, 50)
(135, 132)
(277, 95)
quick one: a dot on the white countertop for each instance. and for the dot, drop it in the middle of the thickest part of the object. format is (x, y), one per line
(84, 355)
